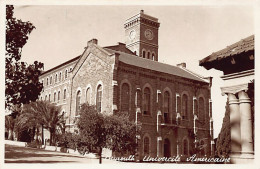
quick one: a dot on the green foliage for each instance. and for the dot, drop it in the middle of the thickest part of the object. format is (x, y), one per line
(97, 131)
(21, 80)
(42, 114)
(224, 138)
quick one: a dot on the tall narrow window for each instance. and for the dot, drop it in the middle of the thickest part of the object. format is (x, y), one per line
(56, 78)
(58, 96)
(178, 104)
(201, 109)
(195, 108)
(146, 146)
(54, 97)
(50, 80)
(143, 54)
(148, 55)
(166, 106)
(49, 97)
(46, 97)
(125, 97)
(99, 98)
(78, 102)
(147, 101)
(88, 96)
(66, 74)
(64, 94)
(184, 106)
(185, 147)
(47, 82)
(60, 77)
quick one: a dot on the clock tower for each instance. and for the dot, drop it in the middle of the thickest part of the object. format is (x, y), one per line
(141, 33)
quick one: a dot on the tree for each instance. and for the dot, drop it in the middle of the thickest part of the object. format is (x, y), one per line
(224, 137)
(98, 131)
(42, 114)
(21, 80)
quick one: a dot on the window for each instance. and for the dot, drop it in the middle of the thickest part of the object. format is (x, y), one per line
(178, 103)
(58, 96)
(66, 74)
(148, 55)
(146, 146)
(78, 96)
(54, 97)
(50, 80)
(185, 147)
(47, 82)
(166, 106)
(147, 101)
(64, 94)
(56, 78)
(88, 96)
(125, 97)
(99, 98)
(49, 97)
(46, 97)
(184, 106)
(60, 77)
(201, 109)
(143, 53)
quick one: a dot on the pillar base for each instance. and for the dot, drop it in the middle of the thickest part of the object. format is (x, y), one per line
(242, 158)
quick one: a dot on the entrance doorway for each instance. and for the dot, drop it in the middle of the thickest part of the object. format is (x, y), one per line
(167, 148)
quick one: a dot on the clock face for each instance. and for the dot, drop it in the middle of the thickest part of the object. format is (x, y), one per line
(148, 34)
(132, 34)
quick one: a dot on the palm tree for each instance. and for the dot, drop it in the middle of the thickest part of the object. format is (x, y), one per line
(43, 114)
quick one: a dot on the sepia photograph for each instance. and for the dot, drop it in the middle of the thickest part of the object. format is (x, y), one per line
(129, 84)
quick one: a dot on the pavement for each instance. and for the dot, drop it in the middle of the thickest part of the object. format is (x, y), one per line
(15, 153)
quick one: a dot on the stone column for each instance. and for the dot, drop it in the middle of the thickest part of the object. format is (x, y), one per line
(235, 126)
(246, 125)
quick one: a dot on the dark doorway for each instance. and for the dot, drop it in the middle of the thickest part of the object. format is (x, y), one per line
(167, 148)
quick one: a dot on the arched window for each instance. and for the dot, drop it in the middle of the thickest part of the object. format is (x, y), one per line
(50, 80)
(185, 147)
(147, 101)
(148, 55)
(58, 96)
(166, 106)
(146, 146)
(99, 98)
(125, 97)
(64, 94)
(60, 77)
(201, 109)
(54, 97)
(66, 74)
(78, 96)
(47, 82)
(184, 106)
(46, 97)
(143, 53)
(88, 95)
(56, 78)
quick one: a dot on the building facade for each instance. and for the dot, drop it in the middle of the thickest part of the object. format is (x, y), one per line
(171, 103)
(237, 63)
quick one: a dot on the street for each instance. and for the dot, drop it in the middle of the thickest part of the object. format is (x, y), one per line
(19, 154)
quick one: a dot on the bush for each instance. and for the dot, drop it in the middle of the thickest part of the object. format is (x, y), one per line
(34, 144)
(67, 140)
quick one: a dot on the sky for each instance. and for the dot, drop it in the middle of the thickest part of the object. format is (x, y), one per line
(186, 34)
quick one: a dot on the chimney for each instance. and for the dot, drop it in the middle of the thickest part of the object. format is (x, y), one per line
(93, 41)
(182, 65)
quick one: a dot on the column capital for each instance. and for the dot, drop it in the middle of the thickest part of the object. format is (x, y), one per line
(234, 89)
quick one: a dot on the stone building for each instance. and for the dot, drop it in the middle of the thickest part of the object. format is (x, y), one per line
(171, 103)
(237, 63)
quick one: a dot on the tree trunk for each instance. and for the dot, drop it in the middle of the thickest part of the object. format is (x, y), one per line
(42, 135)
(100, 155)
(10, 134)
(50, 137)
